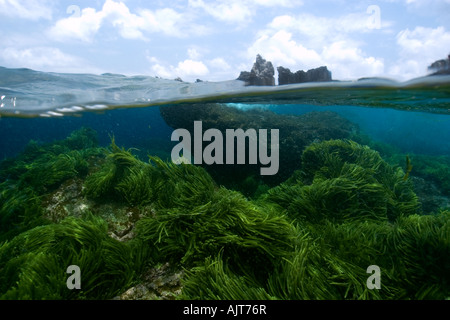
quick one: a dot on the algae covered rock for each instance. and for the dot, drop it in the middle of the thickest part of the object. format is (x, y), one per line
(295, 133)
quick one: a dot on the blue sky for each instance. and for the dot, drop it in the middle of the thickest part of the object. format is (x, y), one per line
(216, 39)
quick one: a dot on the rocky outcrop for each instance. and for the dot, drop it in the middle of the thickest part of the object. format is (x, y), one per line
(262, 73)
(285, 76)
(440, 67)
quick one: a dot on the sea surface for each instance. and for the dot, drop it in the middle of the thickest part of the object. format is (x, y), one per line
(406, 123)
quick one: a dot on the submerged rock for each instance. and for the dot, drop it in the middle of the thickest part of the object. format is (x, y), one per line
(262, 73)
(160, 283)
(295, 133)
(431, 198)
(285, 76)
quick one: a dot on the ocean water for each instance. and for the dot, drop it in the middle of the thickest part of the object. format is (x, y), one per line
(363, 179)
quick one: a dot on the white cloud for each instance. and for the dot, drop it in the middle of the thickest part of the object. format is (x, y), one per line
(277, 3)
(191, 68)
(162, 71)
(219, 64)
(282, 50)
(343, 58)
(318, 30)
(238, 11)
(193, 54)
(81, 28)
(419, 48)
(26, 9)
(307, 41)
(45, 58)
(427, 42)
(227, 11)
(348, 62)
(188, 69)
(129, 25)
(166, 21)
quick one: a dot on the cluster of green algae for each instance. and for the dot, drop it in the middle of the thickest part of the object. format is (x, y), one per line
(311, 237)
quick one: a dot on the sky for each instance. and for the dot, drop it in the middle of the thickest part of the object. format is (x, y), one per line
(214, 40)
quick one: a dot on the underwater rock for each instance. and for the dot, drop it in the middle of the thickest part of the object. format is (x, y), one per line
(296, 132)
(65, 201)
(262, 73)
(285, 76)
(429, 195)
(440, 67)
(161, 283)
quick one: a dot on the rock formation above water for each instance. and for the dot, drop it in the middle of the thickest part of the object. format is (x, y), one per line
(440, 67)
(285, 76)
(262, 73)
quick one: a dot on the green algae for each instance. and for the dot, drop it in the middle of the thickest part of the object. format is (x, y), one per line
(251, 238)
(311, 237)
(37, 171)
(20, 210)
(34, 264)
(343, 180)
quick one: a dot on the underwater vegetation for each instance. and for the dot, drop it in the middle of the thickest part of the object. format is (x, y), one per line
(342, 180)
(20, 210)
(38, 170)
(44, 166)
(312, 236)
(295, 133)
(430, 174)
(34, 264)
(433, 168)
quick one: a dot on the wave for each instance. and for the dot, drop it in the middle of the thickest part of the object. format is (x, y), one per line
(29, 93)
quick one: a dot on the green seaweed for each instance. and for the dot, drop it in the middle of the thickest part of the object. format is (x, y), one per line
(137, 187)
(34, 264)
(408, 167)
(214, 281)
(421, 245)
(185, 186)
(251, 238)
(20, 210)
(343, 180)
(49, 171)
(102, 184)
(311, 237)
(44, 167)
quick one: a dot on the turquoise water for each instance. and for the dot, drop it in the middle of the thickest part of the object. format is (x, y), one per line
(49, 171)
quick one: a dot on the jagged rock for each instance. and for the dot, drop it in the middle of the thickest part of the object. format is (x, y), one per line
(178, 79)
(285, 76)
(262, 73)
(245, 76)
(440, 67)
